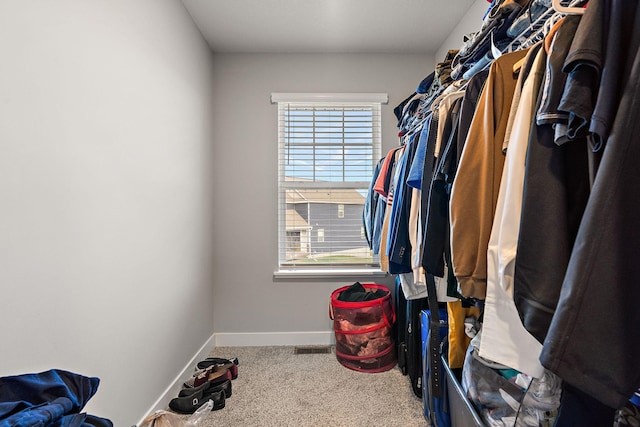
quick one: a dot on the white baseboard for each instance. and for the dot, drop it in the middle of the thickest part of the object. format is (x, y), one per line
(239, 339)
(255, 339)
(175, 387)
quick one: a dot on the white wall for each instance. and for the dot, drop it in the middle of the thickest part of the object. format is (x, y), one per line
(247, 299)
(105, 195)
(470, 23)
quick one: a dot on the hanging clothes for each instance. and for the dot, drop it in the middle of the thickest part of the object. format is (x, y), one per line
(414, 180)
(437, 199)
(591, 343)
(555, 79)
(556, 189)
(437, 238)
(398, 244)
(475, 188)
(370, 206)
(522, 196)
(493, 33)
(504, 339)
(386, 185)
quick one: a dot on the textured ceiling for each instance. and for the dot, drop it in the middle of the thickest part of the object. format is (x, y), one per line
(326, 26)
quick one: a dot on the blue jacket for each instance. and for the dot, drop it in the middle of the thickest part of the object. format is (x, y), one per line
(398, 244)
(370, 206)
(52, 398)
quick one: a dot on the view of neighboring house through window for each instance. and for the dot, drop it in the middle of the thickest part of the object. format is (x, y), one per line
(327, 153)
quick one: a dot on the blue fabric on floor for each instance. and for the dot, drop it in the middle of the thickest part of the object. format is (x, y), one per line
(50, 398)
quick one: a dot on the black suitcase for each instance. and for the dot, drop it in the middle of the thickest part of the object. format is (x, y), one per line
(414, 343)
(401, 327)
(409, 338)
(434, 344)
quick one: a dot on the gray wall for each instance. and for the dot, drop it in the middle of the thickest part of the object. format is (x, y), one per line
(106, 195)
(247, 299)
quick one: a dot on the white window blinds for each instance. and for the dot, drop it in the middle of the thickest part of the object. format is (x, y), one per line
(327, 152)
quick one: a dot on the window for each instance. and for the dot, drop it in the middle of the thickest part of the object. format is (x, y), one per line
(328, 145)
(293, 241)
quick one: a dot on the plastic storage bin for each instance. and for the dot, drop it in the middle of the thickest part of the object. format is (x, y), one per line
(363, 331)
(463, 414)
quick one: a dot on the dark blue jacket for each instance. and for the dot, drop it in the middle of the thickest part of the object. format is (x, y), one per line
(52, 398)
(399, 246)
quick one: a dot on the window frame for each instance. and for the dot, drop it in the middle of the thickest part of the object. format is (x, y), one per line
(286, 270)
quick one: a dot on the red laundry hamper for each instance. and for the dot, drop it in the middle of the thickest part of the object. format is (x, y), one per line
(364, 338)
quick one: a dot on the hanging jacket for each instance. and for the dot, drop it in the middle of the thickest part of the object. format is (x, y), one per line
(476, 185)
(504, 339)
(398, 244)
(592, 342)
(370, 206)
(559, 176)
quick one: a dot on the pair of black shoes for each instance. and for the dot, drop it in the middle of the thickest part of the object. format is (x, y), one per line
(220, 363)
(190, 399)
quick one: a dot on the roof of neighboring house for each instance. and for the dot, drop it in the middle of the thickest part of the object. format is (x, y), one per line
(339, 196)
(295, 222)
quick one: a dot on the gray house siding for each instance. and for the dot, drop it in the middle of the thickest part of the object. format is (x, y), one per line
(346, 230)
(301, 208)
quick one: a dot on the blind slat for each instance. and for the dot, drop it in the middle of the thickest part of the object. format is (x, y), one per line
(327, 152)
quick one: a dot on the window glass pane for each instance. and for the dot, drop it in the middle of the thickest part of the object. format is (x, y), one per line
(327, 156)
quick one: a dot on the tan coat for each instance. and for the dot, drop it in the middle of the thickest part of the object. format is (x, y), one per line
(475, 188)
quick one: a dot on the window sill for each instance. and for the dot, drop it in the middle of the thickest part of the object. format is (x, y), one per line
(365, 273)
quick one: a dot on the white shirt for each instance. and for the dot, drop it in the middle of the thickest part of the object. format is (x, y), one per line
(504, 338)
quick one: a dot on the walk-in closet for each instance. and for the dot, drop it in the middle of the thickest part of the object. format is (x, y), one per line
(335, 213)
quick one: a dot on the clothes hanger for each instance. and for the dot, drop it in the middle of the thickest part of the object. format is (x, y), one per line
(518, 65)
(454, 86)
(568, 10)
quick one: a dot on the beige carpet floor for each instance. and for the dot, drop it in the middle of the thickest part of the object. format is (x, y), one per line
(276, 387)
